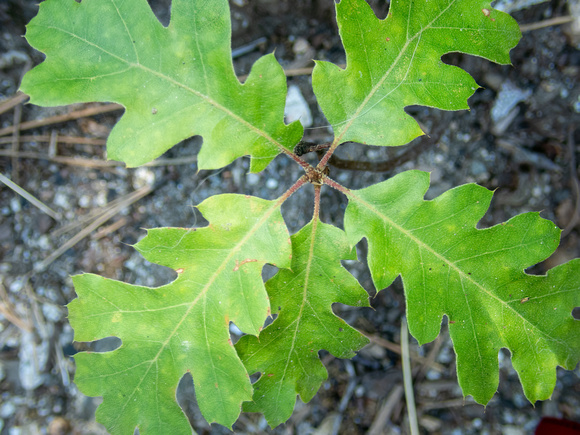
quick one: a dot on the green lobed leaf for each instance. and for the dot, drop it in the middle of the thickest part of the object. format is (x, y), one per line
(183, 326)
(474, 276)
(175, 82)
(396, 62)
(286, 352)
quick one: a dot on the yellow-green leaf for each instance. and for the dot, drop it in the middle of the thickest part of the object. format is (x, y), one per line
(286, 352)
(473, 276)
(396, 62)
(183, 326)
(175, 82)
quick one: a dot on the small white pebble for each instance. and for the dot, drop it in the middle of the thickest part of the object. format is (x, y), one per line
(61, 200)
(85, 201)
(272, 183)
(51, 312)
(15, 204)
(235, 330)
(252, 179)
(143, 177)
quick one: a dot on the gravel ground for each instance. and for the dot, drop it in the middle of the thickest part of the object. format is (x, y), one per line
(519, 138)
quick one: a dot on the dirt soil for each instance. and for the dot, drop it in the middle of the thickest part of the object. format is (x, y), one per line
(527, 154)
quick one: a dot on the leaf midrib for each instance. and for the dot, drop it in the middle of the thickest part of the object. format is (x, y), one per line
(302, 305)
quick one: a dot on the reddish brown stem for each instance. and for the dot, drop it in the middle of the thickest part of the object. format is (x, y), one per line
(305, 165)
(316, 214)
(324, 160)
(293, 189)
(330, 182)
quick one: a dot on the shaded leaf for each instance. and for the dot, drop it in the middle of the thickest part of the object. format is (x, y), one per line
(286, 352)
(396, 62)
(183, 326)
(175, 82)
(474, 276)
